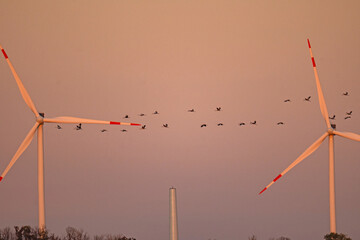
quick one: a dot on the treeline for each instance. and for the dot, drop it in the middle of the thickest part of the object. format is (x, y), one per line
(330, 236)
(29, 233)
(253, 237)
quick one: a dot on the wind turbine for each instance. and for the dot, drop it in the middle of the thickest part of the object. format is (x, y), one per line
(40, 120)
(329, 133)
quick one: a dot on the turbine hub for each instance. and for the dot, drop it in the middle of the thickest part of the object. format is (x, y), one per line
(40, 119)
(330, 131)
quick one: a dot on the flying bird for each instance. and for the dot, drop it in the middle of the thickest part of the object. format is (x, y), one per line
(253, 123)
(280, 123)
(58, 127)
(143, 126)
(347, 117)
(78, 127)
(124, 130)
(203, 125)
(191, 110)
(126, 116)
(333, 117)
(220, 124)
(346, 93)
(218, 109)
(349, 113)
(141, 114)
(242, 123)
(287, 100)
(307, 99)
(165, 125)
(156, 112)
(103, 130)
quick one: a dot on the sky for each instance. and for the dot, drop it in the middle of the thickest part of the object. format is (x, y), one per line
(107, 59)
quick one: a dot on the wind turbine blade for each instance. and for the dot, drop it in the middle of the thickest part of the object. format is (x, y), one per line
(322, 104)
(307, 152)
(84, 120)
(21, 149)
(349, 135)
(22, 89)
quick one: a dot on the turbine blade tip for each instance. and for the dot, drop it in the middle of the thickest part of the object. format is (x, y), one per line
(313, 62)
(116, 123)
(277, 178)
(5, 55)
(309, 43)
(262, 191)
(1, 178)
(135, 124)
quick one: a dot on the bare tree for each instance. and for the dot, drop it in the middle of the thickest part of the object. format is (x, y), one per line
(336, 236)
(76, 234)
(6, 234)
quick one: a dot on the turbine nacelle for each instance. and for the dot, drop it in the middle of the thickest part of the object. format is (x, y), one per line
(40, 118)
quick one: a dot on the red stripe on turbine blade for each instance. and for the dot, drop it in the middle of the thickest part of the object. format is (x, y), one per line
(116, 123)
(135, 124)
(277, 178)
(313, 61)
(3, 51)
(309, 43)
(262, 191)
(1, 178)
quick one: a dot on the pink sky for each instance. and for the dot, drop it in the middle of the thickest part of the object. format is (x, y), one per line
(106, 59)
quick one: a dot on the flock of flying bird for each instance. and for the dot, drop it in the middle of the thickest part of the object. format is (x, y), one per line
(40, 120)
(218, 109)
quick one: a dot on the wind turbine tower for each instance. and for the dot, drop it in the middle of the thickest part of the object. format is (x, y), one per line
(173, 215)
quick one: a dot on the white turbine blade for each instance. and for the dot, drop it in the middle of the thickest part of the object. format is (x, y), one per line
(349, 135)
(21, 149)
(307, 152)
(322, 104)
(22, 89)
(84, 120)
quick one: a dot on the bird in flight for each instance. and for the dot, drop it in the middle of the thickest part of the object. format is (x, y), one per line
(141, 114)
(156, 112)
(103, 130)
(58, 126)
(347, 117)
(346, 93)
(242, 123)
(280, 123)
(165, 125)
(253, 123)
(349, 113)
(287, 100)
(124, 130)
(333, 117)
(203, 125)
(220, 124)
(307, 99)
(218, 109)
(143, 126)
(126, 116)
(191, 110)
(78, 127)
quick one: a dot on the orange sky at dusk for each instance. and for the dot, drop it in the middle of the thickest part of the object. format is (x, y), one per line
(107, 59)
